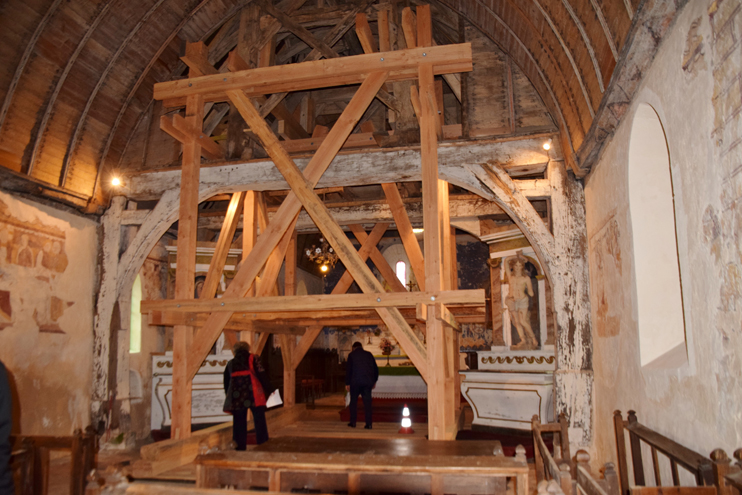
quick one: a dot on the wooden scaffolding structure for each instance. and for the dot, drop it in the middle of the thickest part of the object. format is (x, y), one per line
(254, 290)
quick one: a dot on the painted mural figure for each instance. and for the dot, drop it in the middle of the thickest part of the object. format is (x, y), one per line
(517, 302)
(25, 255)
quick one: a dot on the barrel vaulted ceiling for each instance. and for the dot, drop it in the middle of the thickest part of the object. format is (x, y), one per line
(77, 76)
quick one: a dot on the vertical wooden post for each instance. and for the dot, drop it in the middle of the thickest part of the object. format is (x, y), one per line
(186, 269)
(288, 342)
(623, 468)
(432, 237)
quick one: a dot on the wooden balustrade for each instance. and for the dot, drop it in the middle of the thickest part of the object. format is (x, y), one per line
(572, 477)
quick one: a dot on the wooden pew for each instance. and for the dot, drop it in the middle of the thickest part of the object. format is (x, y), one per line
(572, 478)
(35, 449)
(405, 469)
(699, 466)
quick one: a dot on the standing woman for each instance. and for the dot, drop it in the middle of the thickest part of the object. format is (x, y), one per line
(247, 386)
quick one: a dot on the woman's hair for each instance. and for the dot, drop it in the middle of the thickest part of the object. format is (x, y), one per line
(241, 347)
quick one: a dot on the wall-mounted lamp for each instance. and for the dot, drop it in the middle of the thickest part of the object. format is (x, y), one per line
(115, 182)
(547, 145)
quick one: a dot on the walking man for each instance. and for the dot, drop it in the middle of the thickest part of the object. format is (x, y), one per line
(361, 375)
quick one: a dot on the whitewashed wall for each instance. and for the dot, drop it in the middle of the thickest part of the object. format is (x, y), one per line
(698, 402)
(46, 324)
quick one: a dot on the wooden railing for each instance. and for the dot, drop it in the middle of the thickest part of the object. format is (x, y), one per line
(30, 460)
(572, 477)
(700, 467)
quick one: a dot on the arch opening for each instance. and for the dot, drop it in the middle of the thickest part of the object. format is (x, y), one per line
(657, 275)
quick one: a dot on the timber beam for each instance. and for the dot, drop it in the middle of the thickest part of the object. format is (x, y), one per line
(294, 322)
(401, 65)
(316, 302)
(518, 157)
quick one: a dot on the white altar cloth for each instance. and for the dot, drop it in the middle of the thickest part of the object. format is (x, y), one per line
(400, 387)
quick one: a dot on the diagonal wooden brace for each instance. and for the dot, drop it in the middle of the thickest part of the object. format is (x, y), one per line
(334, 234)
(284, 217)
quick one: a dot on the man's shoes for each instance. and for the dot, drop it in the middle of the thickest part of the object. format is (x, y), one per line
(368, 427)
(351, 425)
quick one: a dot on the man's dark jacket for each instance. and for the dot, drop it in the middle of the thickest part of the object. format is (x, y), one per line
(361, 369)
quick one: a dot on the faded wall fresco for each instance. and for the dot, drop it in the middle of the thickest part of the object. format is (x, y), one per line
(47, 281)
(606, 271)
(693, 85)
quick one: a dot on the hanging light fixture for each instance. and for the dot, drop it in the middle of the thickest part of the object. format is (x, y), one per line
(323, 255)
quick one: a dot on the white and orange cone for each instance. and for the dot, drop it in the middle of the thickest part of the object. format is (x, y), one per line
(406, 421)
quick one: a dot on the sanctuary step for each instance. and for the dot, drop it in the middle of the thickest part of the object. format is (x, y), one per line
(390, 411)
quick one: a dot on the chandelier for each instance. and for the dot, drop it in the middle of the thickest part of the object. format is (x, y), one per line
(323, 255)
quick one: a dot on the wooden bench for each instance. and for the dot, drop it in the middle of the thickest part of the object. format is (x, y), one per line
(30, 460)
(572, 477)
(414, 466)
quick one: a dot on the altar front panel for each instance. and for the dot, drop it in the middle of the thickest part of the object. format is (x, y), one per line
(509, 400)
(208, 391)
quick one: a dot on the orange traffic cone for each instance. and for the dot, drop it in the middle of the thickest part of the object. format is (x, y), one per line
(406, 421)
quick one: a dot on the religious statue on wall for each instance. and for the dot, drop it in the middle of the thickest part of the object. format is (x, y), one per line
(518, 302)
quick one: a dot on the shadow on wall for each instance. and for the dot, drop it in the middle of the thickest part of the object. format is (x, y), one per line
(16, 413)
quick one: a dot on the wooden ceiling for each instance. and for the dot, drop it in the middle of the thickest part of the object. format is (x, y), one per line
(77, 76)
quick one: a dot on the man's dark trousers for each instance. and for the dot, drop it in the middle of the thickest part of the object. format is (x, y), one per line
(365, 392)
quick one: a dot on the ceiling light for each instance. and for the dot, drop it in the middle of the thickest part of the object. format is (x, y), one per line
(323, 255)
(418, 231)
(547, 145)
(115, 182)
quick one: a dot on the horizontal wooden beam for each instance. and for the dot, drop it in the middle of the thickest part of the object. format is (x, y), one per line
(401, 65)
(522, 156)
(315, 302)
(294, 322)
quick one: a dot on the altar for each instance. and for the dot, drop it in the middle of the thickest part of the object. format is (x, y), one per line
(208, 390)
(400, 382)
(510, 387)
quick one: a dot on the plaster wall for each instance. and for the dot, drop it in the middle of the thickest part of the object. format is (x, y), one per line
(695, 403)
(154, 340)
(47, 294)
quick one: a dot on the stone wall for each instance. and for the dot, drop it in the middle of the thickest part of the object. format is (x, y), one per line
(694, 86)
(48, 262)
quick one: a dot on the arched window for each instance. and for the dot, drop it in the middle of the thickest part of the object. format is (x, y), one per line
(401, 270)
(135, 325)
(656, 268)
